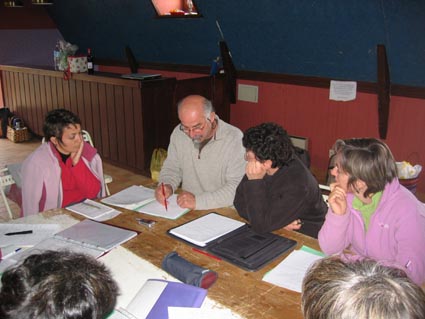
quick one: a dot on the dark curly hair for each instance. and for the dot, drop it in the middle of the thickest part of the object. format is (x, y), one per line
(269, 141)
(58, 284)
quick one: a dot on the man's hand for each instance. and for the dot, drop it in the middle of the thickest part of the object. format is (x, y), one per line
(337, 199)
(159, 194)
(75, 157)
(186, 200)
(295, 225)
(255, 170)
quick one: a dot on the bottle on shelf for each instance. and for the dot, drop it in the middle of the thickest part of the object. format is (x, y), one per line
(56, 56)
(90, 62)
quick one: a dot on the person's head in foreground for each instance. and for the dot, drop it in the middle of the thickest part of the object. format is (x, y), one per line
(57, 285)
(363, 166)
(364, 289)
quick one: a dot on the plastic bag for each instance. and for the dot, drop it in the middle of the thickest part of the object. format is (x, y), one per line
(158, 157)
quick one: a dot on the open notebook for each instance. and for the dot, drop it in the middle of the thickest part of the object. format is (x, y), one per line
(142, 199)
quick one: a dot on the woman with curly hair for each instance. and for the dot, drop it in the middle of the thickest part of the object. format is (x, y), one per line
(278, 190)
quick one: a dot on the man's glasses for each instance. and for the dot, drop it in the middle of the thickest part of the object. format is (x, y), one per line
(197, 128)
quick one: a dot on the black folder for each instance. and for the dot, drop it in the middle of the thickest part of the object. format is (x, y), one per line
(245, 248)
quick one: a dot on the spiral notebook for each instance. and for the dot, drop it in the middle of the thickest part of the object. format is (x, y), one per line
(86, 237)
(96, 235)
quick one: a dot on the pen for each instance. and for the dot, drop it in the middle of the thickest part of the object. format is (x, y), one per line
(206, 254)
(10, 254)
(163, 194)
(24, 232)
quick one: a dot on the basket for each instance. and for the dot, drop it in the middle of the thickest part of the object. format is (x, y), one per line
(17, 136)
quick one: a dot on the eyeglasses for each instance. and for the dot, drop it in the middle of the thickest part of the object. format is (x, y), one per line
(196, 128)
(247, 157)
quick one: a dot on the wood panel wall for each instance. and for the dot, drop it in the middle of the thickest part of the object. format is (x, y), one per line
(127, 119)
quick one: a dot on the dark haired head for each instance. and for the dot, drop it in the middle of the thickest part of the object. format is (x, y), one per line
(57, 284)
(269, 141)
(56, 121)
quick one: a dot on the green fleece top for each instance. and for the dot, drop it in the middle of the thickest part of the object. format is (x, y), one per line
(211, 174)
(367, 210)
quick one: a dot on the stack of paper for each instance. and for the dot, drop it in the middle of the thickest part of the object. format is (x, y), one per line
(93, 210)
(205, 229)
(131, 198)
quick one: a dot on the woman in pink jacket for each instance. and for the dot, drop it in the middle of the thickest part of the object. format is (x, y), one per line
(370, 214)
(64, 169)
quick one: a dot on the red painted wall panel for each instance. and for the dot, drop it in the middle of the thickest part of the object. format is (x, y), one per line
(308, 112)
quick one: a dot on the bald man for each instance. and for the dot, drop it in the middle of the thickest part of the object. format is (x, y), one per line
(205, 156)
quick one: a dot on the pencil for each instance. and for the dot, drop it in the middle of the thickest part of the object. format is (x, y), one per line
(163, 194)
(206, 254)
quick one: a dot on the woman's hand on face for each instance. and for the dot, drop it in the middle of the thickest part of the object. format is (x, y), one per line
(75, 157)
(255, 170)
(337, 199)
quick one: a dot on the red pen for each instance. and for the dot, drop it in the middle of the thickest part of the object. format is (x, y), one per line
(163, 194)
(206, 254)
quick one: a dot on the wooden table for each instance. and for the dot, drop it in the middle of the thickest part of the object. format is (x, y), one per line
(243, 292)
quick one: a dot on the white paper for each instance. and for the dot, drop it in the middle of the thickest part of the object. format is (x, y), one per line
(198, 313)
(120, 313)
(343, 90)
(207, 228)
(173, 210)
(290, 272)
(131, 272)
(147, 296)
(39, 232)
(131, 197)
(93, 210)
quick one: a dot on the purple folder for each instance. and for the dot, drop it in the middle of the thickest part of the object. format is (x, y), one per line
(176, 294)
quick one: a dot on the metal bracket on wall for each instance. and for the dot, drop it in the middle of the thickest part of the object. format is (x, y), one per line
(384, 88)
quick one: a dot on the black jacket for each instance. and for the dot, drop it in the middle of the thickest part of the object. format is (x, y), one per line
(276, 201)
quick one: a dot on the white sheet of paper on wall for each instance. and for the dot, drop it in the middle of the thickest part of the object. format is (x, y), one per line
(343, 90)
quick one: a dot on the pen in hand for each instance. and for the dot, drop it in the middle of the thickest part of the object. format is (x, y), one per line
(165, 198)
(24, 232)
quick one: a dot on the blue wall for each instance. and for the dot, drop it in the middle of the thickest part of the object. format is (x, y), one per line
(325, 38)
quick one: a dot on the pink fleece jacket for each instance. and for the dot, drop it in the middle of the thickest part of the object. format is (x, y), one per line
(396, 234)
(41, 178)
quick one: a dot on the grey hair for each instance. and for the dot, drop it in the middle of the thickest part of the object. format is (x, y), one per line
(334, 289)
(207, 106)
(367, 159)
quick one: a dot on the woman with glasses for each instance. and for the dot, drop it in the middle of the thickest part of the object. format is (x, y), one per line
(205, 157)
(370, 214)
(278, 190)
